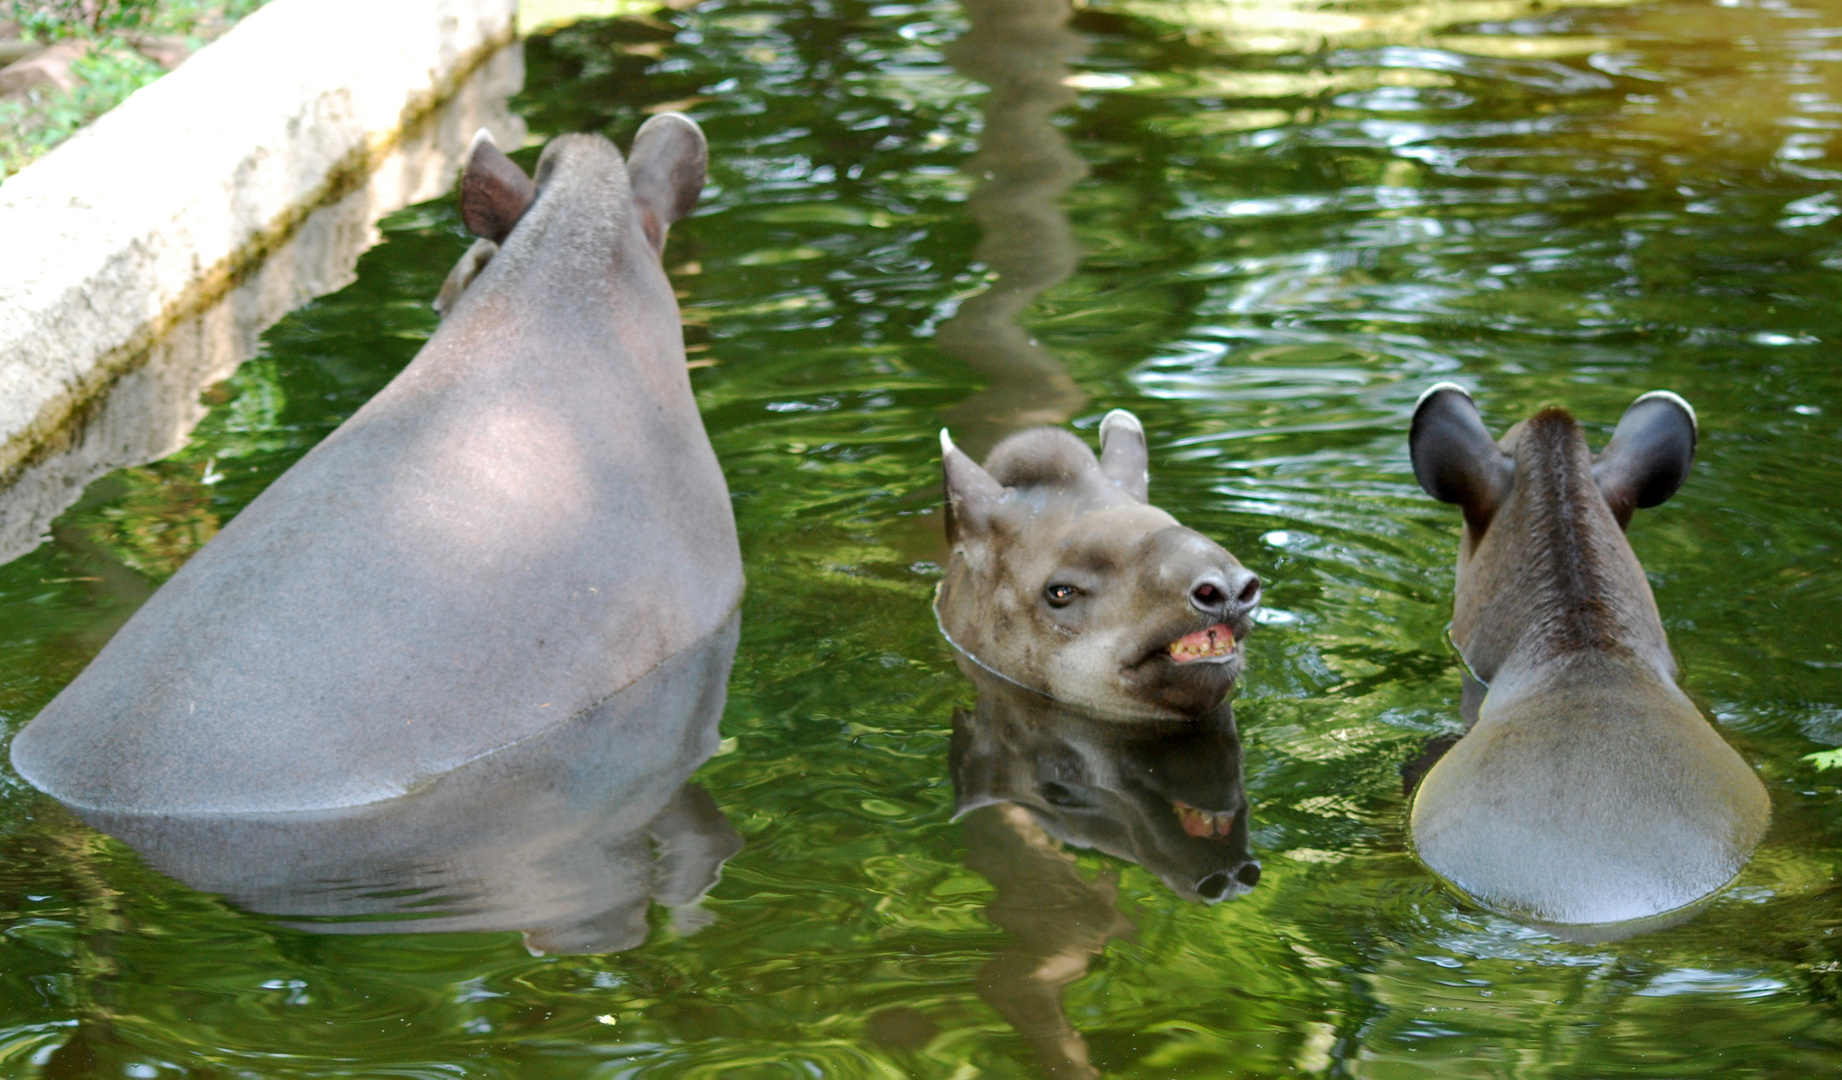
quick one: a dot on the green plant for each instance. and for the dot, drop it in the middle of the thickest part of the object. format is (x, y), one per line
(48, 20)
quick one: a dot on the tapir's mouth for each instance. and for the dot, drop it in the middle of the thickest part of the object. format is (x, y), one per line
(1210, 644)
(1203, 824)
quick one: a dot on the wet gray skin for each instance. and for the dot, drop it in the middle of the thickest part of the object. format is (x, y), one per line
(1589, 790)
(567, 836)
(1033, 777)
(526, 520)
(1065, 580)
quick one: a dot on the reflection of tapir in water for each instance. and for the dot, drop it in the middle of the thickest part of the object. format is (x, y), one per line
(569, 835)
(526, 520)
(1164, 794)
(1590, 789)
(1064, 579)
(1032, 774)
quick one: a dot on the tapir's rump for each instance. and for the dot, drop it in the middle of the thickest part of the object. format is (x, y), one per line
(526, 520)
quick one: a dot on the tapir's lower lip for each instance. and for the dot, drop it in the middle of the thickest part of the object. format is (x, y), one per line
(1201, 823)
(1213, 644)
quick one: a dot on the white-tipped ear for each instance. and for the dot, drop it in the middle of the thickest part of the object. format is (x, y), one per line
(494, 191)
(971, 493)
(1649, 455)
(1123, 457)
(482, 136)
(1454, 457)
(1436, 388)
(666, 168)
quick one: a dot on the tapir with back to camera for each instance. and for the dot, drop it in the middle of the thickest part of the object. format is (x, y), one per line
(524, 521)
(1589, 789)
(1065, 580)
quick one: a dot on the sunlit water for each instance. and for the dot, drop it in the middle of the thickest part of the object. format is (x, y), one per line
(1264, 228)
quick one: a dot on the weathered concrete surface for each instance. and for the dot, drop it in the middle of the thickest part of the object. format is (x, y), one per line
(148, 411)
(149, 215)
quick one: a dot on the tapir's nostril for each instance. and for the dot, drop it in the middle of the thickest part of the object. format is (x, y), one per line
(1250, 591)
(1213, 886)
(1208, 596)
(1248, 874)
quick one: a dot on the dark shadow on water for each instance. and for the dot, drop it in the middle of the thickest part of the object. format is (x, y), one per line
(567, 836)
(1032, 776)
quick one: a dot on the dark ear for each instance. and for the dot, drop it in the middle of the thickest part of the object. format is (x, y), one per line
(971, 492)
(1454, 457)
(494, 191)
(1123, 458)
(1649, 455)
(666, 168)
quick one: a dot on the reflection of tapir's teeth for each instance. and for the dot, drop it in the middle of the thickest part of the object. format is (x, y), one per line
(1201, 823)
(1217, 640)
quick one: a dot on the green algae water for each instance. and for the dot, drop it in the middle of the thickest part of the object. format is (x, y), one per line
(1265, 227)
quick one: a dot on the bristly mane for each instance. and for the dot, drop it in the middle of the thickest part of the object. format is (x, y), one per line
(1554, 478)
(1041, 457)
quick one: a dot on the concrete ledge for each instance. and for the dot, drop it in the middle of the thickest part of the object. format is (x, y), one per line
(153, 213)
(149, 408)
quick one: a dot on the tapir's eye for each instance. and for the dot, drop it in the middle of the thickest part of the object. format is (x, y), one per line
(1060, 595)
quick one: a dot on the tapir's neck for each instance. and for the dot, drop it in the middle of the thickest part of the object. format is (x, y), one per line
(1554, 577)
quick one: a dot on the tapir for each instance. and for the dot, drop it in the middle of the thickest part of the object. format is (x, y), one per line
(1064, 579)
(1589, 790)
(524, 521)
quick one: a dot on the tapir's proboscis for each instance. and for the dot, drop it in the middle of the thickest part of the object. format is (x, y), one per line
(523, 522)
(1064, 579)
(1589, 789)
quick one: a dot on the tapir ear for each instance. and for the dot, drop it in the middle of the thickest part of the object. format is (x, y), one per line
(666, 168)
(494, 191)
(1123, 457)
(1454, 457)
(971, 492)
(1649, 455)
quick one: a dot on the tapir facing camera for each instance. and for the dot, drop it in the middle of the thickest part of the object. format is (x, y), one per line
(1065, 579)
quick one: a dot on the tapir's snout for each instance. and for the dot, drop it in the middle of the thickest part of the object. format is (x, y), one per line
(1214, 584)
(1228, 597)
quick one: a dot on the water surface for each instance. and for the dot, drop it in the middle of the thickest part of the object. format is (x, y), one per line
(1265, 228)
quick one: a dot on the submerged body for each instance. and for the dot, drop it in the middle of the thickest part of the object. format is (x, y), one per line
(1590, 789)
(526, 520)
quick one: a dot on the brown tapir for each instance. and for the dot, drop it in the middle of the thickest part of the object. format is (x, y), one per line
(1589, 790)
(527, 519)
(1064, 579)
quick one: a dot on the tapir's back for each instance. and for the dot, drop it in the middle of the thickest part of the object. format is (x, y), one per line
(1643, 808)
(526, 520)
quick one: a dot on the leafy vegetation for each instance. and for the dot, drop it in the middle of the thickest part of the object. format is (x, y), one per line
(35, 120)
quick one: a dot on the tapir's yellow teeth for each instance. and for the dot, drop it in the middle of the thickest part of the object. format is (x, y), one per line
(1203, 824)
(1217, 640)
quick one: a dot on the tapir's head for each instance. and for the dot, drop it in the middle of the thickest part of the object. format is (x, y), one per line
(1065, 580)
(612, 211)
(1544, 563)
